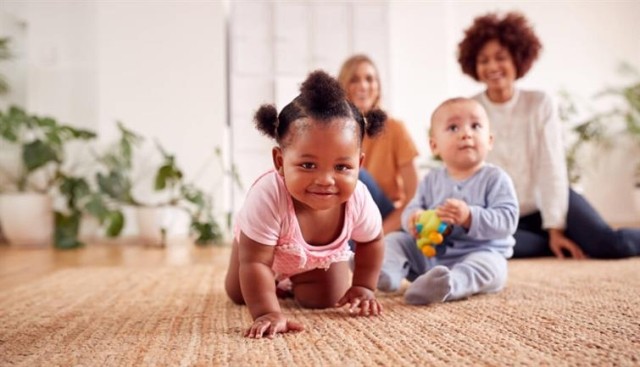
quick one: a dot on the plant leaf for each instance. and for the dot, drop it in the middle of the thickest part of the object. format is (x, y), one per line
(38, 153)
(115, 223)
(96, 207)
(206, 232)
(167, 175)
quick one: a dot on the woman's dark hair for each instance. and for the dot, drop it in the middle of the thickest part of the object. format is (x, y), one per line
(512, 31)
(322, 99)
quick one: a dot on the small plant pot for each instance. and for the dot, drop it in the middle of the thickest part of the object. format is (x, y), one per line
(151, 230)
(90, 229)
(27, 219)
(156, 223)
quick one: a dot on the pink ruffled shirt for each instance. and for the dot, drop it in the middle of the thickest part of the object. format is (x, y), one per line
(268, 217)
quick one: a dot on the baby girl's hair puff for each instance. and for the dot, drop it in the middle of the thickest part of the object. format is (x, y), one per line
(374, 122)
(323, 96)
(267, 120)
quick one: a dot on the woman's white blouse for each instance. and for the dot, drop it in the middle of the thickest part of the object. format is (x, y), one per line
(528, 145)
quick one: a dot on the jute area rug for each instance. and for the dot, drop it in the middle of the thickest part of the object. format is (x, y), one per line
(552, 313)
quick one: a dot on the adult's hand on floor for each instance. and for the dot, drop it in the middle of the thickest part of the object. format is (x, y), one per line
(559, 244)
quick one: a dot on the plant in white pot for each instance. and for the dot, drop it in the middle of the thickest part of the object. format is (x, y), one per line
(581, 133)
(626, 109)
(619, 118)
(5, 54)
(171, 199)
(31, 173)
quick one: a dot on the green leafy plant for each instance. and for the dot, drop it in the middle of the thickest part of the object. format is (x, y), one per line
(81, 198)
(117, 181)
(600, 127)
(5, 54)
(42, 142)
(626, 108)
(583, 133)
(187, 196)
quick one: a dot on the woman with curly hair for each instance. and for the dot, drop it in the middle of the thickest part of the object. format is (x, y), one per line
(389, 171)
(497, 51)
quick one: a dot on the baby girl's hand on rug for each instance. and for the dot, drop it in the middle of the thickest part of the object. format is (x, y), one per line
(362, 302)
(269, 324)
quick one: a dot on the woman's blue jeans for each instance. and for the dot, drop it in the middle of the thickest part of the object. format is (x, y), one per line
(385, 205)
(585, 227)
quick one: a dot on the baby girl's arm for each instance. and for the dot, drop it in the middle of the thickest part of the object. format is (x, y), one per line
(368, 261)
(259, 290)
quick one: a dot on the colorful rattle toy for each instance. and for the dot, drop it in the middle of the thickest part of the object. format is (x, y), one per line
(431, 231)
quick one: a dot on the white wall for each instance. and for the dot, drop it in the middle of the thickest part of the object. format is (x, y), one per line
(13, 25)
(52, 71)
(161, 72)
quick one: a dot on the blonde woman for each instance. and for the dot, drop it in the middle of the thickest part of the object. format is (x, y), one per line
(389, 171)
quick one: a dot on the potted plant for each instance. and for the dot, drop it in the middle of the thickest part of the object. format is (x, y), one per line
(83, 204)
(621, 117)
(586, 132)
(626, 111)
(120, 183)
(5, 54)
(32, 171)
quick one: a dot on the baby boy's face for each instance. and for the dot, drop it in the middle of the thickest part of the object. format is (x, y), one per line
(460, 134)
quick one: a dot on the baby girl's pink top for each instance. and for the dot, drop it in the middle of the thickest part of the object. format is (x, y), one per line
(268, 217)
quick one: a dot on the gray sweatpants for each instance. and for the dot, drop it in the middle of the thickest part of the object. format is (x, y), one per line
(472, 271)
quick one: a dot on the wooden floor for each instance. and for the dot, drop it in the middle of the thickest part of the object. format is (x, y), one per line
(23, 265)
(20, 265)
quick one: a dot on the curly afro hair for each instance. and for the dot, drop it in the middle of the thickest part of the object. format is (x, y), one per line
(512, 31)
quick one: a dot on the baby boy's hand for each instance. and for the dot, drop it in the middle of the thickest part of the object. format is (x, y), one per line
(455, 211)
(362, 302)
(413, 219)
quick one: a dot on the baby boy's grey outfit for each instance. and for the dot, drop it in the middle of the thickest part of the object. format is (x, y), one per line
(474, 260)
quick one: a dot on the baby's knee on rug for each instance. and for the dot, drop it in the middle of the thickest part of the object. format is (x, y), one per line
(321, 288)
(312, 302)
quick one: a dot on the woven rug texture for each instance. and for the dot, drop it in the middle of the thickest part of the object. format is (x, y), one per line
(551, 313)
